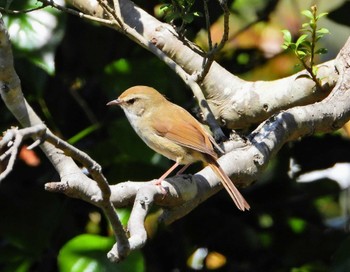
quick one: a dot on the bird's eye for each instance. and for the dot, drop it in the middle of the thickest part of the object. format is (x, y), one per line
(131, 101)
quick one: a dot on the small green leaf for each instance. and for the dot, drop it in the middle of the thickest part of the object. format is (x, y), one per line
(197, 14)
(313, 25)
(188, 18)
(321, 51)
(318, 37)
(124, 215)
(165, 7)
(323, 31)
(243, 58)
(287, 36)
(301, 53)
(321, 15)
(306, 30)
(308, 14)
(83, 133)
(301, 39)
(172, 16)
(297, 225)
(121, 66)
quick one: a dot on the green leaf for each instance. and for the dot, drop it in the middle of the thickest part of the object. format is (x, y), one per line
(322, 31)
(244, 58)
(124, 215)
(321, 51)
(88, 252)
(188, 18)
(301, 39)
(172, 16)
(307, 30)
(301, 53)
(165, 7)
(82, 134)
(121, 66)
(197, 14)
(308, 14)
(321, 15)
(287, 36)
(297, 225)
(313, 25)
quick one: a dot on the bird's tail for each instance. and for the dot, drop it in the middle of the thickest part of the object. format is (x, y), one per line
(236, 196)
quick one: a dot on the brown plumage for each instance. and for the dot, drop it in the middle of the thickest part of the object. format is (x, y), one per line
(173, 132)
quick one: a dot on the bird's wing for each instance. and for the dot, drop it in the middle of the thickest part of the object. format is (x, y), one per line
(187, 132)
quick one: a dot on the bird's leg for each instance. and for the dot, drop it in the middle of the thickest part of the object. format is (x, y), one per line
(159, 181)
(183, 169)
(171, 169)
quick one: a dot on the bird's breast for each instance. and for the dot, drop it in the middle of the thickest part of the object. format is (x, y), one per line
(160, 144)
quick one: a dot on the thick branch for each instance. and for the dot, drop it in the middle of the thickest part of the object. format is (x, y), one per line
(246, 163)
(237, 103)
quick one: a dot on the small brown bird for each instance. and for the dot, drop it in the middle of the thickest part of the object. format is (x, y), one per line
(173, 132)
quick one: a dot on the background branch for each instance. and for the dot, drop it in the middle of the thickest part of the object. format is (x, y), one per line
(69, 172)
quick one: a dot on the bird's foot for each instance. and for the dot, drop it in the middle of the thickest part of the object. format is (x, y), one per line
(158, 182)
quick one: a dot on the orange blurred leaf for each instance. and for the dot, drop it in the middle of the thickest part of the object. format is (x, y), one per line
(215, 260)
(29, 156)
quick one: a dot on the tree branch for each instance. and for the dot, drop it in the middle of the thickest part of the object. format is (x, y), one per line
(235, 102)
(71, 176)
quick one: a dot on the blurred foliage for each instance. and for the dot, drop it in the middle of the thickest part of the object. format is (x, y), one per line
(70, 68)
(87, 252)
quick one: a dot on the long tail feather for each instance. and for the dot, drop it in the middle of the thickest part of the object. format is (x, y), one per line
(236, 196)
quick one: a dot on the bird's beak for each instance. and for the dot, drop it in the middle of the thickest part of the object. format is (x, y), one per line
(114, 102)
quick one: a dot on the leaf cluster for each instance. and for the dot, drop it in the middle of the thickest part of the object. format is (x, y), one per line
(305, 47)
(179, 10)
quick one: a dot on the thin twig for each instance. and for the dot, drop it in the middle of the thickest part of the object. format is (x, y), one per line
(112, 14)
(96, 172)
(207, 24)
(15, 12)
(118, 14)
(224, 39)
(13, 139)
(213, 50)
